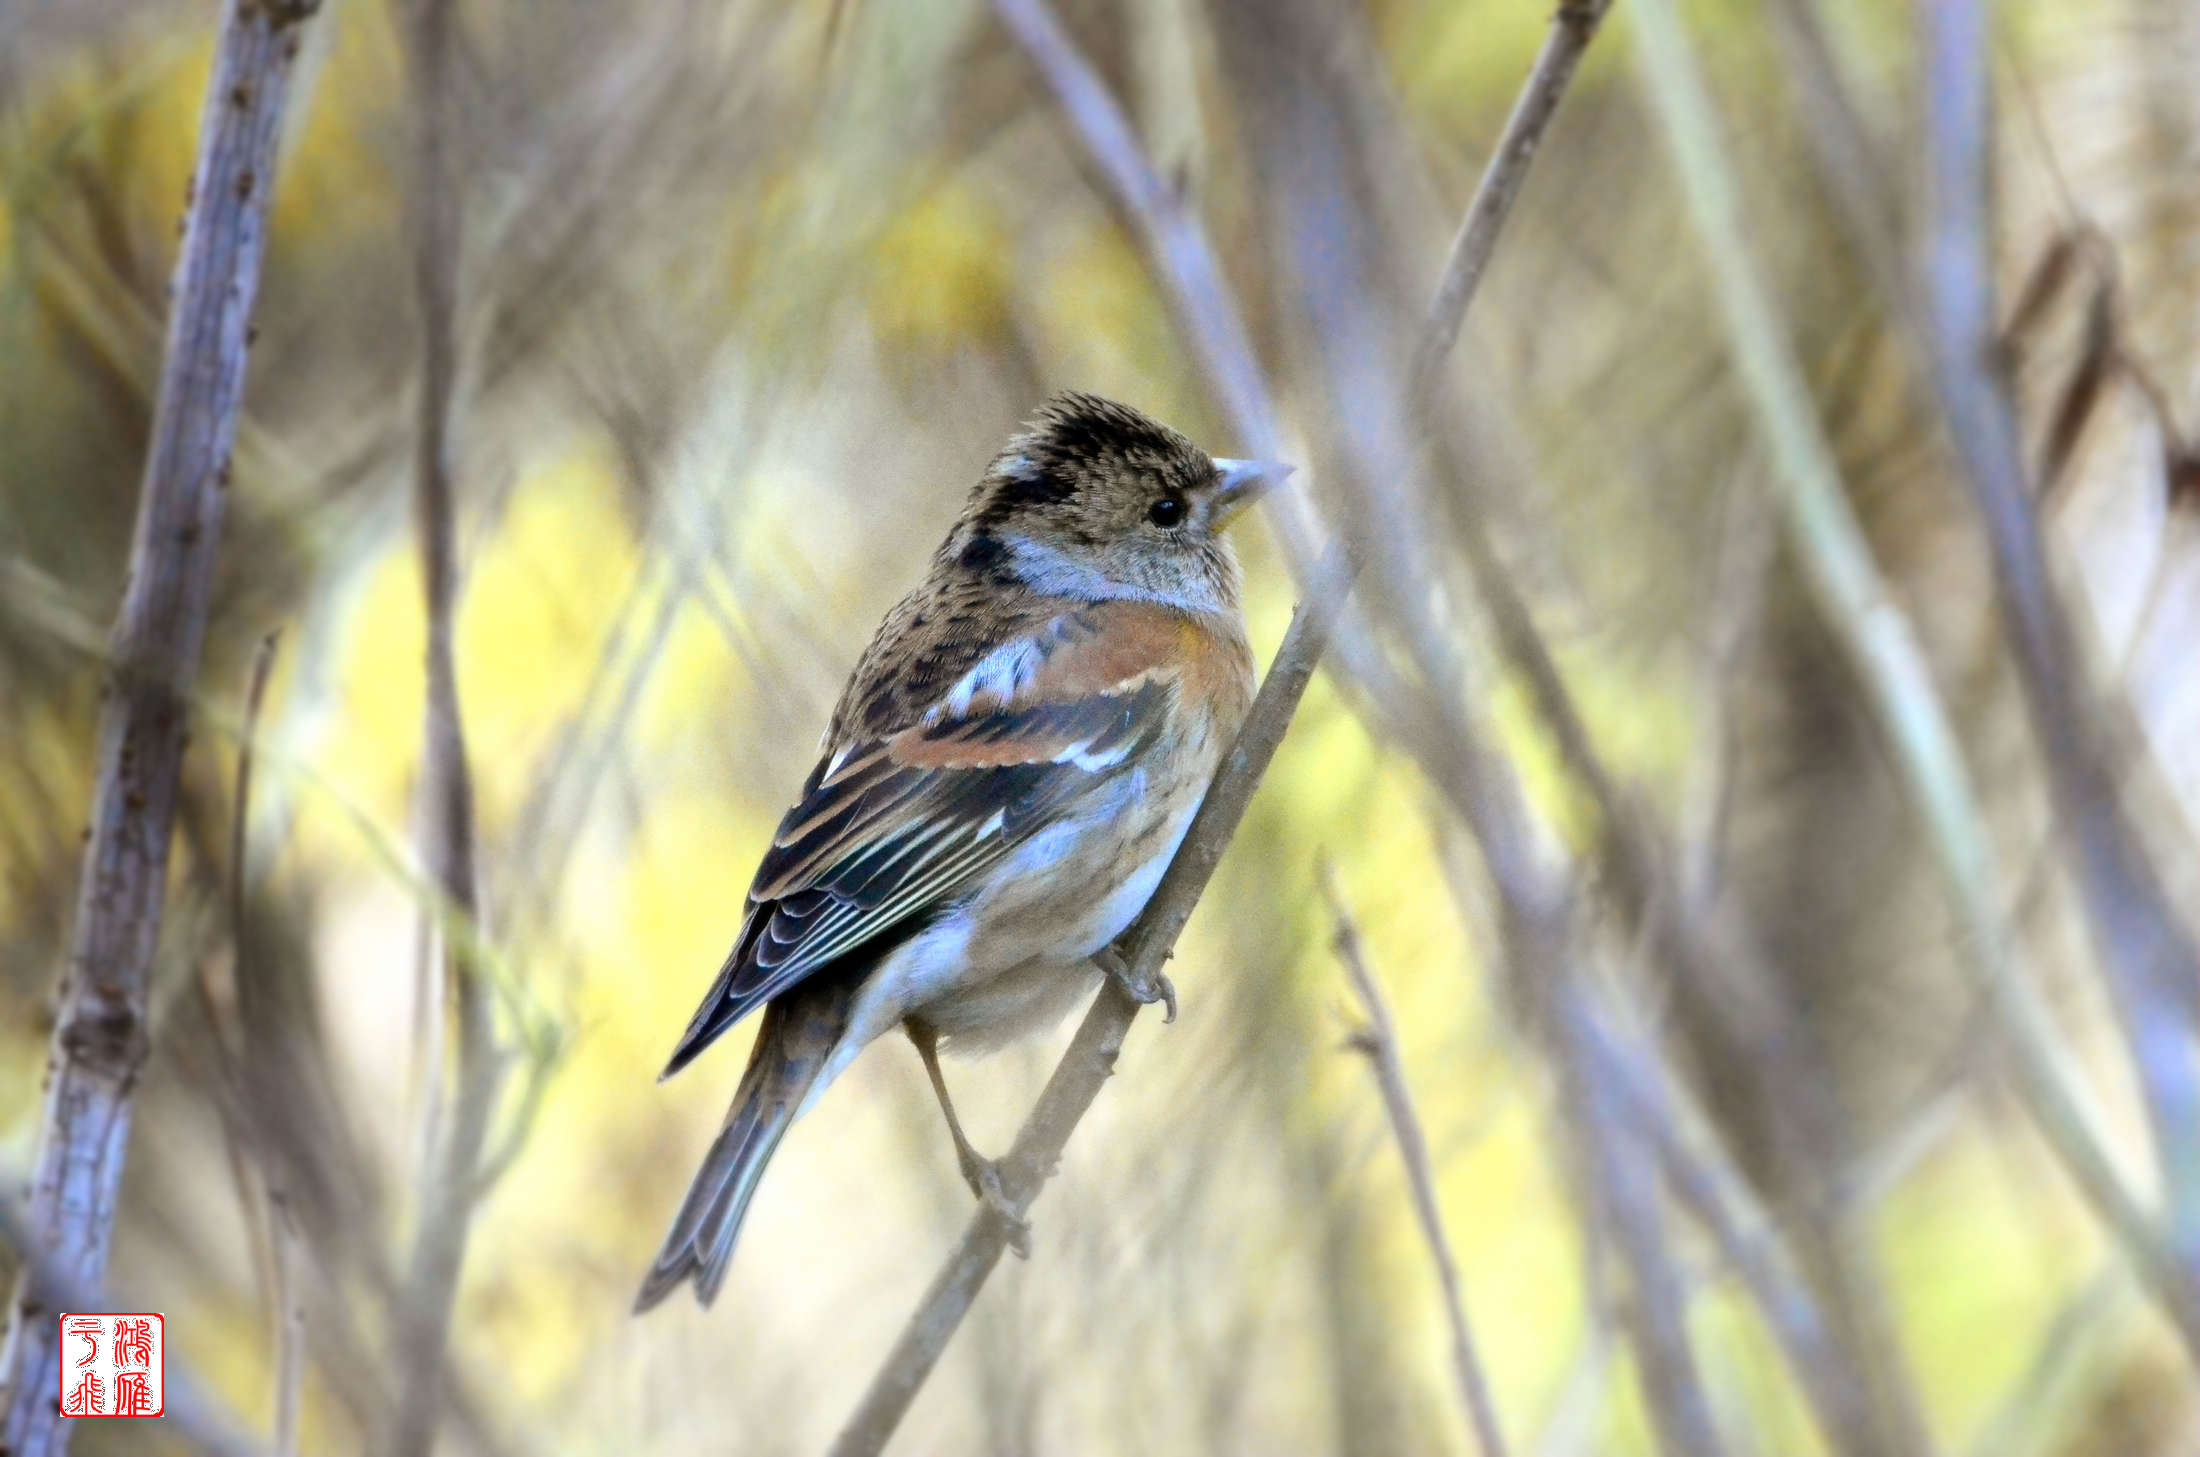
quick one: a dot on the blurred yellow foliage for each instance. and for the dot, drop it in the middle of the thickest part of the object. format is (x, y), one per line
(942, 273)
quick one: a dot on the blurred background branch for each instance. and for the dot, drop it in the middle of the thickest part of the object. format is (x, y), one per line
(281, 1251)
(1378, 1041)
(452, 1141)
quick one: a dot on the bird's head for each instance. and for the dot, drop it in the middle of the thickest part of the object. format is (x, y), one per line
(1095, 500)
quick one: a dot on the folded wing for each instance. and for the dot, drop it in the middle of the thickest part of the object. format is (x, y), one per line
(894, 828)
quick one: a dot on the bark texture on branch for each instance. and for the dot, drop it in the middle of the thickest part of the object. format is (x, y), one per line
(100, 1036)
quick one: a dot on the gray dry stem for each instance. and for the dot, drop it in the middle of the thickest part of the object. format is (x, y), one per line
(100, 1037)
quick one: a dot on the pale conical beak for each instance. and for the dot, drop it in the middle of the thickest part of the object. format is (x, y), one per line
(1239, 483)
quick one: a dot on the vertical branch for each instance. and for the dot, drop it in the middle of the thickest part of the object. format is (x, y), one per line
(1379, 1041)
(2148, 957)
(1091, 1056)
(263, 666)
(448, 809)
(286, 1308)
(100, 1037)
(447, 804)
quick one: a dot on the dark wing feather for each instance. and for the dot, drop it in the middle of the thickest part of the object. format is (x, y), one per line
(903, 825)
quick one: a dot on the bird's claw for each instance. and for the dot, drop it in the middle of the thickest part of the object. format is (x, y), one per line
(983, 1176)
(1144, 990)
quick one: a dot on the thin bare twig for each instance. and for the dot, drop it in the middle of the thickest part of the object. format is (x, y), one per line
(255, 693)
(101, 1038)
(1572, 28)
(1542, 936)
(2151, 965)
(1379, 1042)
(447, 809)
(1091, 1056)
(1716, 965)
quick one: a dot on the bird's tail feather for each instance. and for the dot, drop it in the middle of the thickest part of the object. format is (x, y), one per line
(798, 1035)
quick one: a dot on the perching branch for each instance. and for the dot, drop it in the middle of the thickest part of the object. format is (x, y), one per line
(100, 1037)
(1572, 28)
(1838, 568)
(1091, 1056)
(1379, 1041)
(1090, 1060)
(454, 1146)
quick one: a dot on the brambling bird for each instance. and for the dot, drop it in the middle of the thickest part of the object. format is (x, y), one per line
(1008, 773)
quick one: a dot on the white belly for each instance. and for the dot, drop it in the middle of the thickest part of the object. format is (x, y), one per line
(1016, 959)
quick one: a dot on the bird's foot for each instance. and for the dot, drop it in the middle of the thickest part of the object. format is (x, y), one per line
(1145, 990)
(983, 1175)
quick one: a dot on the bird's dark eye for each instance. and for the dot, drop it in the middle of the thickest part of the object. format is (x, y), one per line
(1167, 512)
